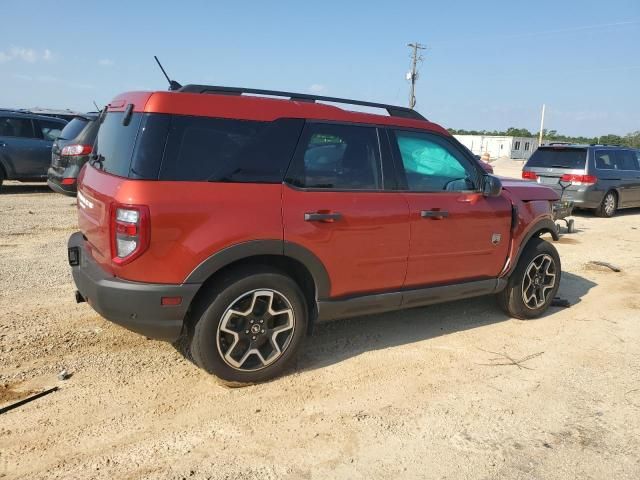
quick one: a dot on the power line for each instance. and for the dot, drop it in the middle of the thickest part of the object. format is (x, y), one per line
(412, 76)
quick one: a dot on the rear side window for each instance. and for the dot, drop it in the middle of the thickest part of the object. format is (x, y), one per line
(605, 160)
(569, 158)
(16, 127)
(342, 157)
(73, 128)
(50, 130)
(225, 150)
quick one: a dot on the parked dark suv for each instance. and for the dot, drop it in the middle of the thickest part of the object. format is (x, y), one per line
(25, 145)
(71, 151)
(242, 220)
(602, 177)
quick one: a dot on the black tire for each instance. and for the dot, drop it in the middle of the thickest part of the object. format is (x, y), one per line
(512, 298)
(212, 343)
(2, 177)
(608, 206)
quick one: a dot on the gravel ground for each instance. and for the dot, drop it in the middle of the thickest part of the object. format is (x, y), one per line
(412, 394)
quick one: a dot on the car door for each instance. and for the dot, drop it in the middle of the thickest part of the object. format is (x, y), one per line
(336, 206)
(457, 234)
(46, 132)
(627, 164)
(19, 149)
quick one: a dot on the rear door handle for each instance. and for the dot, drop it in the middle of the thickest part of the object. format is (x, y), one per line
(436, 214)
(322, 217)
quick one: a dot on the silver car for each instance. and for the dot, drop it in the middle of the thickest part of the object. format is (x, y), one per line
(599, 177)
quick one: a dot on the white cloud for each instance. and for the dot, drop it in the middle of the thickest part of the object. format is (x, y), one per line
(106, 62)
(317, 88)
(28, 55)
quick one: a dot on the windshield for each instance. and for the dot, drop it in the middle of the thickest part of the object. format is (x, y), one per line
(73, 128)
(569, 158)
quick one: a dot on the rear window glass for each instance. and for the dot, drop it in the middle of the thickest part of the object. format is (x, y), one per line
(570, 158)
(73, 128)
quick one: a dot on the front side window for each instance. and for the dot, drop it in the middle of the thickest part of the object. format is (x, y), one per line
(344, 157)
(432, 165)
(16, 127)
(50, 130)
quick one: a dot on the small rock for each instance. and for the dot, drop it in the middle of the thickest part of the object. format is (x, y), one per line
(63, 375)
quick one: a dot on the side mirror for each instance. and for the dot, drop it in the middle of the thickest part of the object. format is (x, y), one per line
(491, 186)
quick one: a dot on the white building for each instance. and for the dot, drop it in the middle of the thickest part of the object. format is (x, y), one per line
(498, 146)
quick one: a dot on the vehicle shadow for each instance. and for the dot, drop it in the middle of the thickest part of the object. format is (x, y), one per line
(334, 342)
(620, 213)
(21, 188)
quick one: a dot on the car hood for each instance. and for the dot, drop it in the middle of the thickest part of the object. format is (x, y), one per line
(527, 190)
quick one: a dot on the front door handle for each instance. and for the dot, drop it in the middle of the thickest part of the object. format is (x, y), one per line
(435, 214)
(322, 217)
(2, 144)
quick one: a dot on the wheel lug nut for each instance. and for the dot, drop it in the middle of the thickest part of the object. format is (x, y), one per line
(261, 321)
(250, 321)
(247, 332)
(261, 331)
(254, 337)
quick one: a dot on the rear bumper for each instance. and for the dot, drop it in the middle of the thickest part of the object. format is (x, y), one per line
(54, 180)
(583, 196)
(133, 305)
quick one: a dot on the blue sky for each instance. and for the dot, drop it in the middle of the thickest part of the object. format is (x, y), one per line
(489, 65)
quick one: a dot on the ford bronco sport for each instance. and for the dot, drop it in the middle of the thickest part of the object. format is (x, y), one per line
(242, 220)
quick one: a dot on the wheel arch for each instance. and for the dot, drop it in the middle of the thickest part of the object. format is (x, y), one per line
(540, 227)
(292, 259)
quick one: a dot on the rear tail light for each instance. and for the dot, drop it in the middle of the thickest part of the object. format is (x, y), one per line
(75, 150)
(579, 179)
(130, 231)
(529, 175)
(68, 181)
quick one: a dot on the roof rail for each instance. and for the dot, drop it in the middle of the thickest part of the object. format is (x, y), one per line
(392, 110)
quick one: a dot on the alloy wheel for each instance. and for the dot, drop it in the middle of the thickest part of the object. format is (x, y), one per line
(255, 330)
(609, 204)
(539, 280)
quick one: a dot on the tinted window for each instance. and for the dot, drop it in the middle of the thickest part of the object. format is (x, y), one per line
(431, 165)
(570, 158)
(605, 160)
(216, 149)
(73, 128)
(50, 130)
(338, 157)
(626, 160)
(16, 127)
(115, 143)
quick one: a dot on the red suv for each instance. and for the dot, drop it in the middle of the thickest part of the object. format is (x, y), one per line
(242, 220)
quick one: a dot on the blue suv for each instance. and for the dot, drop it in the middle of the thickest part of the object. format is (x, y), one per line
(25, 145)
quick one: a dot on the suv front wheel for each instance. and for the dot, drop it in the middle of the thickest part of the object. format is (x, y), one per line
(248, 326)
(534, 283)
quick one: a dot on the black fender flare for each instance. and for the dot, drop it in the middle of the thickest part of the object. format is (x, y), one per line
(544, 225)
(253, 248)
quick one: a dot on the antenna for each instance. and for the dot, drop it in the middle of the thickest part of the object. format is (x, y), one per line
(173, 85)
(96, 105)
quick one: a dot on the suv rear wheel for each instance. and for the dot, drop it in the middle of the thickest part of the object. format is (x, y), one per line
(534, 283)
(608, 206)
(248, 326)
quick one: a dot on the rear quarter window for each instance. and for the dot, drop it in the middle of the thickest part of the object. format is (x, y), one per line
(568, 158)
(225, 150)
(115, 143)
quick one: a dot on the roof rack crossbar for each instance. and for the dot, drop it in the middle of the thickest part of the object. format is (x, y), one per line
(392, 110)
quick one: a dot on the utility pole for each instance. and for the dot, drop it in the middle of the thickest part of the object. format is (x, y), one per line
(413, 74)
(541, 126)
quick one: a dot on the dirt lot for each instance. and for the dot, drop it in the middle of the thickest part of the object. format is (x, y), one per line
(413, 394)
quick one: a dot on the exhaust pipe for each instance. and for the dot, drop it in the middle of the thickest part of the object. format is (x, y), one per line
(79, 297)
